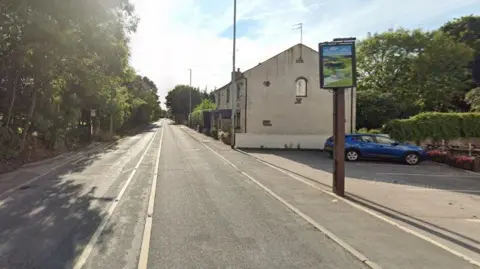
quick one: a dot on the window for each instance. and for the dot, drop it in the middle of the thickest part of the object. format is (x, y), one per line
(301, 87)
(384, 140)
(237, 120)
(228, 95)
(366, 138)
(218, 99)
(239, 90)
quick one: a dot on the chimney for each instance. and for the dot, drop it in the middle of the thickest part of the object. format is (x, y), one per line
(238, 73)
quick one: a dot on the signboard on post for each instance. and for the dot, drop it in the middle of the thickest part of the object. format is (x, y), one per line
(93, 113)
(337, 68)
(337, 65)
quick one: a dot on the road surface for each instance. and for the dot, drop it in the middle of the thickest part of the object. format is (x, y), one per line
(167, 199)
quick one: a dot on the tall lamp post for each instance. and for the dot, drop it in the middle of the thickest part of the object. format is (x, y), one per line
(190, 98)
(234, 73)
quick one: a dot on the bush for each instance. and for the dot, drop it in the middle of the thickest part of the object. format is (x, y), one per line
(371, 131)
(214, 133)
(9, 144)
(435, 126)
(225, 137)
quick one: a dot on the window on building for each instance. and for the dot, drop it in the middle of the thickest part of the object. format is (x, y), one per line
(218, 99)
(237, 120)
(301, 87)
(239, 90)
(228, 95)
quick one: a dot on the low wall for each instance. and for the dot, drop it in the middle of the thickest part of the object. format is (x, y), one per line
(280, 141)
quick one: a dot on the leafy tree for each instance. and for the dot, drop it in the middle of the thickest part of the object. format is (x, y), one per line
(409, 72)
(206, 104)
(473, 99)
(61, 58)
(178, 101)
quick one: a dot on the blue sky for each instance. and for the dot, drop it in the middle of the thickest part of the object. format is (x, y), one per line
(174, 36)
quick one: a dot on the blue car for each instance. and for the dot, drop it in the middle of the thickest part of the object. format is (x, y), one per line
(372, 146)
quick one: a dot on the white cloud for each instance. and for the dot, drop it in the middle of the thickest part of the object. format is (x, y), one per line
(174, 36)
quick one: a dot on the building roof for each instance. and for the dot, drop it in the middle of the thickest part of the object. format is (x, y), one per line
(240, 77)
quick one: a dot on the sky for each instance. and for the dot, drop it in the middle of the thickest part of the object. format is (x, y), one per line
(174, 36)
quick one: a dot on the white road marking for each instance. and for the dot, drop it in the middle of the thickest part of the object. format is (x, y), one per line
(428, 175)
(474, 220)
(68, 160)
(93, 240)
(304, 216)
(147, 231)
(410, 231)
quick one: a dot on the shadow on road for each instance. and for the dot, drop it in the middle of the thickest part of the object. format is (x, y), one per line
(46, 224)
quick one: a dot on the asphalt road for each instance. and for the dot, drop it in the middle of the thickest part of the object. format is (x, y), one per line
(191, 207)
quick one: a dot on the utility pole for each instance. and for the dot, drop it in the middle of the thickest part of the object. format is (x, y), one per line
(234, 73)
(190, 93)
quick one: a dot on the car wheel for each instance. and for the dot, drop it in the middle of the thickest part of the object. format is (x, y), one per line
(412, 158)
(352, 155)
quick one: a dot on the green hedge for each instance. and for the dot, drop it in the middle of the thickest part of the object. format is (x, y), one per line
(371, 131)
(435, 126)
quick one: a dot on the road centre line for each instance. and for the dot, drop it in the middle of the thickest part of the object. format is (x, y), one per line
(147, 231)
(93, 240)
(368, 211)
(304, 216)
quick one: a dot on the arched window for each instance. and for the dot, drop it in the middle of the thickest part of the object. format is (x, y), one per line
(301, 87)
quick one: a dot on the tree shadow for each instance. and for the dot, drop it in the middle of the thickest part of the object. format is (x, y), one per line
(425, 175)
(47, 223)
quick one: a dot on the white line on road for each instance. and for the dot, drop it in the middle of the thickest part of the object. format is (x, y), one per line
(447, 190)
(93, 240)
(147, 231)
(366, 210)
(428, 175)
(304, 216)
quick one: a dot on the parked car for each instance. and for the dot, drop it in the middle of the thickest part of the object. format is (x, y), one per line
(373, 146)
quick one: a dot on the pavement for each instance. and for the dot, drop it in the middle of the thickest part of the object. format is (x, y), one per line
(170, 197)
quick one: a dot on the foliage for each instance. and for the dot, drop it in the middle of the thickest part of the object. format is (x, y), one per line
(371, 131)
(405, 72)
(214, 133)
(61, 58)
(435, 126)
(473, 99)
(206, 104)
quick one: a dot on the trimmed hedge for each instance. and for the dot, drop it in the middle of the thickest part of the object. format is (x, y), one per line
(435, 126)
(371, 131)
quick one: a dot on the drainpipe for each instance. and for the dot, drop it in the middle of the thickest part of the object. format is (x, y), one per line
(246, 95)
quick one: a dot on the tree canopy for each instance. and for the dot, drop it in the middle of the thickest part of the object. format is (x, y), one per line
(404, 72)
(61, 58)
(178, 100)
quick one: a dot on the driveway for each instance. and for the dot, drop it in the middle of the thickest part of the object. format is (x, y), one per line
(438, 201)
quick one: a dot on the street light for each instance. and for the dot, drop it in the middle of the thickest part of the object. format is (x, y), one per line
(190, 93)
(234, 73)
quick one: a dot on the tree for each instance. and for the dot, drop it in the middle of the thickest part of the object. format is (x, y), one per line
(410, 72)
(206, 104)
(61, 58)
(177, 101)
(473, 99)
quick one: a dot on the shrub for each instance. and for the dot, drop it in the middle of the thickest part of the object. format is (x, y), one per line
(435, 126)
(225, 137)
(371, 131)
(214, 133)
(9, 143)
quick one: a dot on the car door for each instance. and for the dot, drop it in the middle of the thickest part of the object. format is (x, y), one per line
(386, 147)
(367, 146)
